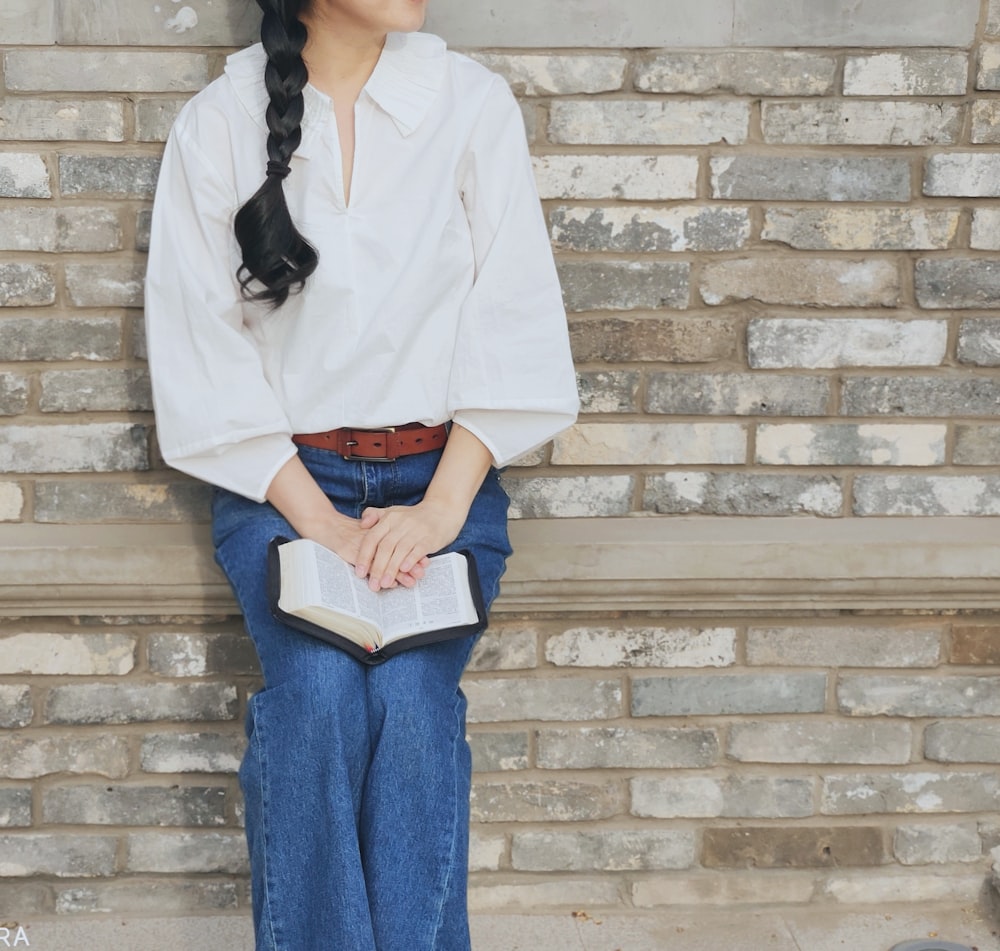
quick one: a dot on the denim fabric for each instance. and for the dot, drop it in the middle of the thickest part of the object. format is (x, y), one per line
(356, 778)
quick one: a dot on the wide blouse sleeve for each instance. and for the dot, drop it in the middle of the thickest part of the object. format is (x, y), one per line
(217, 417)
(512, 381)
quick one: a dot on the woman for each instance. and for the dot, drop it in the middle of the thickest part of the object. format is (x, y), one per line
(348, 351)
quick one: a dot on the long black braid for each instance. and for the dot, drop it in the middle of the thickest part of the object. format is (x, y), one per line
(274, 253)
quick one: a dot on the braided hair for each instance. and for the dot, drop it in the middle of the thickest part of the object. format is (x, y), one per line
(274, 253)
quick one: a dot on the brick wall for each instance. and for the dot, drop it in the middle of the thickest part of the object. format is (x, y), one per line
(777, 236)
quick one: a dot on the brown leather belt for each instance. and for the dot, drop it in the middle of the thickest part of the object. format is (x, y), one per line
(377, 445)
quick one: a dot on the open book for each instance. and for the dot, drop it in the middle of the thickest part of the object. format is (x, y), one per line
(314, 590)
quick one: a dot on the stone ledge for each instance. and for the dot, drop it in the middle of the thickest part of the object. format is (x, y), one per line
(561, 565)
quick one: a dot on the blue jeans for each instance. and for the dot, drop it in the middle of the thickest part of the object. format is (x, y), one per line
(356, 778)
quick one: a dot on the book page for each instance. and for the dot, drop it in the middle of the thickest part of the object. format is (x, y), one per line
(440, 599)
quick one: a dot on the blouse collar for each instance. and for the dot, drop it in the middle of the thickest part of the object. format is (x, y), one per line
(406, 79)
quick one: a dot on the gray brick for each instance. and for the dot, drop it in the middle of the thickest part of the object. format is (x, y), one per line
(850, 444)
(495, 752)
(492, 701)
(23, 175)
(13, 394)
(137, 328)
(921, 396)
(195, 655)
(861, 229)
(153, 898)
(74, 391)
(26, 285)
(742, 493)
(527, 896)
(686, 339)
(977, 445)
(818, 282)
(62, 855)
(20, 900)
(627, 177)
(629, 646)
(743, 72)
(192, 752)
(908, 73)
(818, 741)
(724, 694)
(554, 801)
(737, 394)
(563, 74)
(937, 696)
(106, 285)
(11, 502)
(651, 444)
(55, 70)
(854, 122)
(751, 797)
(82, 447)
(115, 176)
(988, 72)
(633, 122)
(617, 850)
(844, 646)
(985, 229)
(143, 223)
(116, 703)
(608, 391)
(570, 496)
(135, 805)
(780, 178)
(627, 748)
(74, 654)
(79, 501)
(909, 792)
(972, 741)
(979, 341)
(918, 886)
(15, 705)
(59, 120)
(506, 645)
(214, 853)
(30, 21)
(985, 122)
(937, 844)
(963, 174)
(15, 808)
(155, 117)
(486, 852)
(59, 229)
(953, 283)
(927, 495)
(60, 338)
(784, 343)
(27, 756)
(639, 230)
(632, 285)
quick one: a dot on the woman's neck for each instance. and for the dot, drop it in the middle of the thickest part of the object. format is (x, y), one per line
(340, 56)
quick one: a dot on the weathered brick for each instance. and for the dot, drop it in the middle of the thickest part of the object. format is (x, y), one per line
(82, 447)
(132, 703)
(628, 285)
(849, 444)
(737, 394)
(30, 21)
(219, 853)
(975, 644)
(635, 122)
(57, 70)
(194, 655)
(492, 701)
(723, 694)
(23, 175)
(13, 394)
(626, 748)
(540, 74)
(486, 852)
(742, 493)
(59, 120)
(651, 444)
(627, 177)
(80, 501)
(861, 229)
(985, 229)
(913, 889)
(29, 898)
(927, 495)
(794, 342)
(979, 341)
(852, 122)
(640, 230)
(642, 647)
(528, 897)
(743, 72)
(75, 654)
(781, 178)
(608, 391)
(154, 898)
(155, 117)
(135, 805)
(617, 850)
(923, 696)
(909, 73)
(773, 847)
(62, 855)
(555, 801)
(971, 741)
(985, 122)
(495, 752)
(15, 705)
(117, 176)
(60, 338)
(106, 285)
(818, 741)
(11, 502)
(26, 285)
(668, 340)
(921, 396)
(977, 445)
(712, 890)
(506, 646)
(27, 756)
(818, 282)
(989, 831)
(192, 752)
(752, 797)
(143, 224)
(937, 845)
(74, 391)
(570, 496)
(963, 174)
(871, 793)
(15, 808)
(35, 228)
(844, 646)
(952, 283)
(988, 72)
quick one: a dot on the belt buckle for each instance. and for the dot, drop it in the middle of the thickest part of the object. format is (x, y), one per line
(354, 457)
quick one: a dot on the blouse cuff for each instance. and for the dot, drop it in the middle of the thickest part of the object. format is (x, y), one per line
(510, 433)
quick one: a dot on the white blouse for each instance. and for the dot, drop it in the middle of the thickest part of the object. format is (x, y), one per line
(436, 296)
